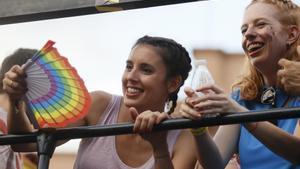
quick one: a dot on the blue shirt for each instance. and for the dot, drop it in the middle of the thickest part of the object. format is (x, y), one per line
(253, 154)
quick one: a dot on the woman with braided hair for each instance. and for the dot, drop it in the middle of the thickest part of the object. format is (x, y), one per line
(155, 70)
(270, 31)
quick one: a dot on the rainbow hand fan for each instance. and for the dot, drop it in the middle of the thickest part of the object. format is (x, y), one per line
(56, 94)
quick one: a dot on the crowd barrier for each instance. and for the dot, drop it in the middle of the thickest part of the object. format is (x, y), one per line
(46, 138)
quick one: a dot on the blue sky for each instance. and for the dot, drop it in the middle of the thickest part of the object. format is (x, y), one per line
(98, 45)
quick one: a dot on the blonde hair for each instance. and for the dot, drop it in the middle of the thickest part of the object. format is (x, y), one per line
(252, 83)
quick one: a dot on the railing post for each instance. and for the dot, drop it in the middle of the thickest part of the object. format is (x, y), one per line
(46, 146)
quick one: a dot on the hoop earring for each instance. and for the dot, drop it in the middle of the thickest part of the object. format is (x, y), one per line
(168, 105)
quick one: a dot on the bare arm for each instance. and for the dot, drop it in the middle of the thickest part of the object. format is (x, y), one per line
(226, 140)
(208, 153)
(184, 154)
(143, 123)
(277, 140)
(213, 153)
(18, 122)
(162, 159)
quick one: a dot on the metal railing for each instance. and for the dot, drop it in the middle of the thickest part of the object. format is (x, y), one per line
(46, 138)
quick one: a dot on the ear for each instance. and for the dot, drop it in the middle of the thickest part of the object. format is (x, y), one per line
(293, 31)
(174, 83)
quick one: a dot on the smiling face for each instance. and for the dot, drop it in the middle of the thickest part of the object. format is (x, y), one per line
(144, 80)
(264, 37)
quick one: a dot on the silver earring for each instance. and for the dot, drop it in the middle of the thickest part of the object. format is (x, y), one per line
(169, 105)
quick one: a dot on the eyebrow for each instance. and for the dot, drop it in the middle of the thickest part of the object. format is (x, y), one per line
(255, 21)
(147, 65)
(128, 61)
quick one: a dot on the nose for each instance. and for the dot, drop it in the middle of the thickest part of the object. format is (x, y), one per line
(132, 75)
(250, 33)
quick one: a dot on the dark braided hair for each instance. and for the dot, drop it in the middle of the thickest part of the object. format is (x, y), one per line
(19, 57)
(174, 56)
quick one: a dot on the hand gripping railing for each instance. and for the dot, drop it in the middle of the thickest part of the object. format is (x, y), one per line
(46, 138)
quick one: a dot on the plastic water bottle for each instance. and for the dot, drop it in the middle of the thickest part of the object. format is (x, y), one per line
(201, 75)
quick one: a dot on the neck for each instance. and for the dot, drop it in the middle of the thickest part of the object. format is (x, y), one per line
(270, 78)
(270, 81)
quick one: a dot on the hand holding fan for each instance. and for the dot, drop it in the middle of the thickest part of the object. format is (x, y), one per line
(56, 94)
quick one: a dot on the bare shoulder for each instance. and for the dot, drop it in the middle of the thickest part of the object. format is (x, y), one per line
(184, 155)
(100, 100)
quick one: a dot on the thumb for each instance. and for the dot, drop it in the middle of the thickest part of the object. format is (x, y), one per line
(189, 92)
(17, 69)
(283, 62)
(133, 112)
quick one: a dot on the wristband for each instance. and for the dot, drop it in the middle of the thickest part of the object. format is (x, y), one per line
(198, 131)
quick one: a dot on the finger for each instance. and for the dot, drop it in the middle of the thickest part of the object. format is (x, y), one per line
(188, 101)
(186, 110)
(189, 92)
(137, 122)
(211, 104)
(213, 111)
(281, 73)
(133, 112)
(189, 116)
(207, 92)
(162, 116)
(6, 83)
(150, 124)
(15, 85)
(283, 62)
(211, 87)
(18, 70)
(14, 73)
(20, 86)
(144, 123)
(204, 98)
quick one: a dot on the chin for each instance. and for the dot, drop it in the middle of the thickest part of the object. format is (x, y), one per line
(261, 64)
(129, 102)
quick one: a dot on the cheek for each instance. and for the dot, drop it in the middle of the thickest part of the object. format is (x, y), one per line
(123, 76)
(123, 79)
(162, 89)
(244, 44)
(156, 85)
(268, 33)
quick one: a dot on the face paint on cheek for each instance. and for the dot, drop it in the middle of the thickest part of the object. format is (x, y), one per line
(270, 30)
